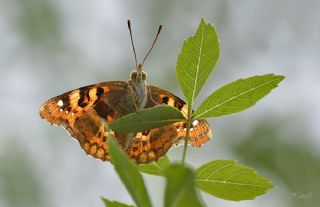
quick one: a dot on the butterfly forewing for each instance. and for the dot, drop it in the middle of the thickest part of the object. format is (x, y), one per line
(64, 109)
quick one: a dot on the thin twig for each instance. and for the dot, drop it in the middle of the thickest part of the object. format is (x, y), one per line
(186, 139)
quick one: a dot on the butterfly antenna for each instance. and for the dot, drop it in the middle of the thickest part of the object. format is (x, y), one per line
(159, 30)
(134, 50)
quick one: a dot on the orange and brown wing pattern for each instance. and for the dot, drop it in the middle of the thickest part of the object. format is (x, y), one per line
(200, 131)
(66, 108)
(83, 113)
(152, 144)
(89, 130)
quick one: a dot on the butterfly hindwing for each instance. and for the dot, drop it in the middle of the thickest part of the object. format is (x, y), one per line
(200, 130)
(152, 144)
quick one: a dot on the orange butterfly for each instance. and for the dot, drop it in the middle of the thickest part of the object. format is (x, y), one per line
(83, 112)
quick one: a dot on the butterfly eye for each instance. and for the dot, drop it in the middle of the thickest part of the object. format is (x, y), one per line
(144, 76)
(133, 75)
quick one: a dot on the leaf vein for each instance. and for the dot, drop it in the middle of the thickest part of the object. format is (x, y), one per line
(234, 97)
(184, 69)
(197, 69)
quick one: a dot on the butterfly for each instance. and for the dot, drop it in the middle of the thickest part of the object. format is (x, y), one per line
(85, 111)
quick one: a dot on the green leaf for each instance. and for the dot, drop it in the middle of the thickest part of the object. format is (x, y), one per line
(109, 203)
(148, 119)
(180, 190)
(129, 174)
(228, 180)
(237, 96)
(155, 167)
(196, 61)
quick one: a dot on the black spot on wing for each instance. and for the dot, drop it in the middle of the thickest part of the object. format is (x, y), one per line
(88, 94)
(165, 99)
(100, 91)
(184, 125)
(178, 105)
(66, 102)
(82, 100)
(145, 133)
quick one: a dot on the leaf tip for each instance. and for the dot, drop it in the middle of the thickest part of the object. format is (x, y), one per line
(278, 78)
(203, 20)
(281, 77)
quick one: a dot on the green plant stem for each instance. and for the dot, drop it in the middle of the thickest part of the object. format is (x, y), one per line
(186, 139)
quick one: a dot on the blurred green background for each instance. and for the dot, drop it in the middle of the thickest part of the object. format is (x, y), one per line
(48, 47)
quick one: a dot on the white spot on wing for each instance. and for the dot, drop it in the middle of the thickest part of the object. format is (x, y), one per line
(195, 122)
(61, 110)
(60, 103)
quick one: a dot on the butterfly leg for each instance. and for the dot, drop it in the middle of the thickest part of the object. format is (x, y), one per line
(150, 96)
(133, 98)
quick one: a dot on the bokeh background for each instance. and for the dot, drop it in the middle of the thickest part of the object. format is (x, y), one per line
(48, 47)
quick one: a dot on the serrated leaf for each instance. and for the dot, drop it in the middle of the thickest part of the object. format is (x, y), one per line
(155, 167)
(148, 119)
(109, 203)
(228, 180)
(237, 96)
(129, 174)
(196, 61)
(180, 190)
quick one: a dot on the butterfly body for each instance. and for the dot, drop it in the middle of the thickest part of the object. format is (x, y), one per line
(138, 86)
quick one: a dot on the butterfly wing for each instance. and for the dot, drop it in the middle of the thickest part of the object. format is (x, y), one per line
(200, 131)
(83, 113)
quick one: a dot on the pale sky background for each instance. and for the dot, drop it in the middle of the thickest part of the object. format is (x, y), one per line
(52, 46)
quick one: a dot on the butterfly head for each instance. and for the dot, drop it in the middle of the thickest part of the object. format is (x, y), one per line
(138, 75)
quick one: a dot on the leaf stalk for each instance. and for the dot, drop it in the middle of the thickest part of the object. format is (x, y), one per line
(186, 139)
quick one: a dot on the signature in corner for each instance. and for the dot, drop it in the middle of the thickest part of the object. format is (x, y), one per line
(300, 195)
